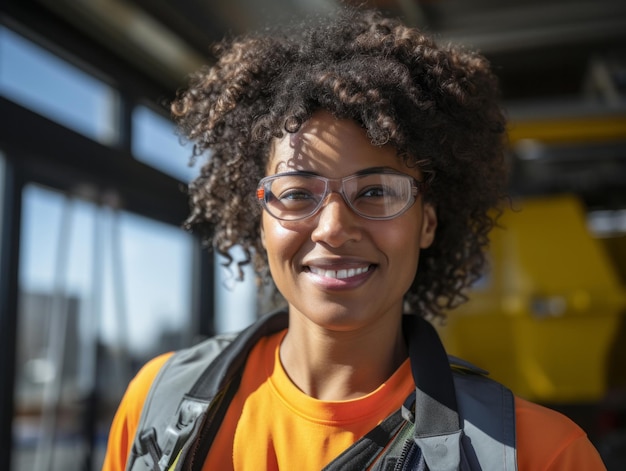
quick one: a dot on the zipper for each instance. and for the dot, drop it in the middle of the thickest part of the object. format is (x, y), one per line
(406, 449)
(191, 455)
(207, 430)
(410, 457)
(203, 435)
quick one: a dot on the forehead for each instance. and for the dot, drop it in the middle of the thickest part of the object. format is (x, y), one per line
(330, 147)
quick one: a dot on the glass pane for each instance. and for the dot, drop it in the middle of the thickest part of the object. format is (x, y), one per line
(155, 143)
(154, 280)
(44, 83)
(101, 292)
(235, 300)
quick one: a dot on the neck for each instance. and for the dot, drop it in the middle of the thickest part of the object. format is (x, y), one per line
(341, 365)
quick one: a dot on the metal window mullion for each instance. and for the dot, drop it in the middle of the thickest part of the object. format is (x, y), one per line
(10, 215)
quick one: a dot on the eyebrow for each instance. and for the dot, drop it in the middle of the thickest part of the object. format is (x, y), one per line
(382, 169)
(365, 171)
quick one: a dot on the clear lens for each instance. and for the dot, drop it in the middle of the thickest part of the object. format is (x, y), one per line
(374, 196)
(379, 195)
(292, 197)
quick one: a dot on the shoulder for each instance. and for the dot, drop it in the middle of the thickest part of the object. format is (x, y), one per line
(126, 418)
(168, 374)
(134, 397)
(548, 440)
(140, 385)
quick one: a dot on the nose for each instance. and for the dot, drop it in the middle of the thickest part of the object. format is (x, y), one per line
(336, 223)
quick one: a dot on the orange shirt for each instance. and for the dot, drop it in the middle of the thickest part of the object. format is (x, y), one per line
(268, 405)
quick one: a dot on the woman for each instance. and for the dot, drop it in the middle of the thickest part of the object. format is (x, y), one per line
(360, 162)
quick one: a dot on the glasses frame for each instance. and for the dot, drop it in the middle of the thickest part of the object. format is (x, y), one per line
(263, 192)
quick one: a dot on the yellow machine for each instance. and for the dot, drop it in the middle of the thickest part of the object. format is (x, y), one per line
(546, 318)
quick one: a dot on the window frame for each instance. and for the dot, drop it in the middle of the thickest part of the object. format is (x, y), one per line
(39, 150)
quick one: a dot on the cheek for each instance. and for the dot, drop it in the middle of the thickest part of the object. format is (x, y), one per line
(281, 242)
(402, 236)
(401, 242)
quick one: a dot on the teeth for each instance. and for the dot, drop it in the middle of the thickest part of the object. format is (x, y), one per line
(339, 274)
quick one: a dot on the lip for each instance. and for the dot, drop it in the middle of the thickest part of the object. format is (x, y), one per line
(338, 273)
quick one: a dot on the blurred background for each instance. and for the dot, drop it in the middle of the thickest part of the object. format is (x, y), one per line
(97, 276)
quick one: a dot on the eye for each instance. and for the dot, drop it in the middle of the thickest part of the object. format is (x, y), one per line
(295, 194)
(378, 191)
(296, 199)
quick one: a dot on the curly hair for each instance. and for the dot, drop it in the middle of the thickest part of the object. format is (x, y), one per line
(437, 104)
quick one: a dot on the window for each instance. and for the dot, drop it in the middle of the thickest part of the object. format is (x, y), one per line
(46, 84)
(101, 291)
(155, 143)
(235, 300)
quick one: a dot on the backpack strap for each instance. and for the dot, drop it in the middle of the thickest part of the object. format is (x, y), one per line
(364, 451)
(224, 374)
(488, 412)
(426, 431)
(437, 424)
(457, 419)
(203, 378)
(433, 420)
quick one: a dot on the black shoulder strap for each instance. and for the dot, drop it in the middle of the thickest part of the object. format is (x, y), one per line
(436, 410)
(438, 429)
(234, 356)
(224, 374)
(364, 452)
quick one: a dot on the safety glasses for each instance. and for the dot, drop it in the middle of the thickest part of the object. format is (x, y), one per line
(375, 195)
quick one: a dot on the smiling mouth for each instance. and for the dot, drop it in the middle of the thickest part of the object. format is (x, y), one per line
(340, 274)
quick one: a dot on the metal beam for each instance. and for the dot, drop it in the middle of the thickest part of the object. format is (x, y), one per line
(64, 159)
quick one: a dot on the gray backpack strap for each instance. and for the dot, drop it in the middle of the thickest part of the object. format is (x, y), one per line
(488, 440)
(437, 424)
(475, 429)
(445, 401)
(488, 412)
(187, 386)
(167, 409)
(429, 437)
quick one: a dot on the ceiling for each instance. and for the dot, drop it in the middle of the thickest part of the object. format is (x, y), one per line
(540, 48)
(560, 58)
